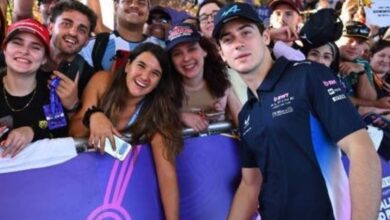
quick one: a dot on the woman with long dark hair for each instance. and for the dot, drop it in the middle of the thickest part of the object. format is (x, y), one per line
(208, 96)
(139, 99)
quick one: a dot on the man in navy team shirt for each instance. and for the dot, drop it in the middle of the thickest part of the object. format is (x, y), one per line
(292, 128)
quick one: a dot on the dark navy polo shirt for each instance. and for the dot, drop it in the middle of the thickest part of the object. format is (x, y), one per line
(290, 133)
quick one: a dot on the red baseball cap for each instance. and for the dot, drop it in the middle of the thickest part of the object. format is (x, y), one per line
(294, 4)
(31, 26)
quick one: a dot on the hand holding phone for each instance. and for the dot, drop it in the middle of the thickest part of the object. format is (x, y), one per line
(122, 148)
(69, 69)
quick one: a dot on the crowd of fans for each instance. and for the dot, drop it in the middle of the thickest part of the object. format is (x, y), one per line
(151, 77)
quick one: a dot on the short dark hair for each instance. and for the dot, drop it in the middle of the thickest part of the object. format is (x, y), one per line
(378, 46)
(73, 5)
(220, 5)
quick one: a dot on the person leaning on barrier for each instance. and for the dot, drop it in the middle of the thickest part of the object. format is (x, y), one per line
(292, 128)
(140, 99)
(208, 96)
(24, 91)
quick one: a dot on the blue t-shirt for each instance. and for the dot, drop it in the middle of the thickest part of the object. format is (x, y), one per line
(290, 133)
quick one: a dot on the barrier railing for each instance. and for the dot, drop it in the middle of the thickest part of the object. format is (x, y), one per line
(215, 128)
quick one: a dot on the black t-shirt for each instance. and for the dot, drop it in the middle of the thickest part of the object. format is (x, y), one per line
(32, 114)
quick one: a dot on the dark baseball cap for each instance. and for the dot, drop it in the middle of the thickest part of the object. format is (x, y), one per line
(159, 10)
(181, 33)
(322, 27)
(356, 29)
(294, 4)
(233, 11)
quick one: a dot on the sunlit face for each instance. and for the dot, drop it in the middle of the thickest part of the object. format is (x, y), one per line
(206, 18)
(284, 15)
(350, 47)
(135, 12)
(70, 32)
(380, 61)
(188, 59)
(143, 74)
(242, 46)
(321, 55)
(24, 53)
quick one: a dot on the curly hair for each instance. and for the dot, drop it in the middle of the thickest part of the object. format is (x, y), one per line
(160, 108)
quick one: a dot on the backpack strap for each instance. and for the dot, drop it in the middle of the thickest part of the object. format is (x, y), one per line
(99, 48)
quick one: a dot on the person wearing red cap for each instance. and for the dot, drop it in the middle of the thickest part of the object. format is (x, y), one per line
(24, 89)
(284, 21)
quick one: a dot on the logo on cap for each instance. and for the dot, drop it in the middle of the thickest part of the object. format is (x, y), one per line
(234, 9)
(179, 31)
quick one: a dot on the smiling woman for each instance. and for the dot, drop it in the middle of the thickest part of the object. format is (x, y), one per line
(139, 99)
(24, 90)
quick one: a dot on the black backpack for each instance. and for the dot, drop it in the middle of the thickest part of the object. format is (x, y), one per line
(101, 41)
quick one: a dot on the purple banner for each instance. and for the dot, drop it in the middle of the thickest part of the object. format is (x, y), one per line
(94, 186)
(384, 211)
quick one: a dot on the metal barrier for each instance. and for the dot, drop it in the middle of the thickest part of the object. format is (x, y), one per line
(215, 128)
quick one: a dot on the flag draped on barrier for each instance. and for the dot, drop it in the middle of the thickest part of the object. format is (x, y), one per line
(94, 186)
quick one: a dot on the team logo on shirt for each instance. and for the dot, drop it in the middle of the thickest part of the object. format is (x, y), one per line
(328, 83)
(282, 104)
(246, 125)
(42, 124)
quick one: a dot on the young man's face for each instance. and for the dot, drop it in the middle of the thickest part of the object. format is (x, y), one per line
(70, 32)
(135, 12)
(350, 47)
(284, 15)
(242, 46)
(206, 18)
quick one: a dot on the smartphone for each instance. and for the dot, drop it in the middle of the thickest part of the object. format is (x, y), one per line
(69, 69)
(8, 122)
(122, 148)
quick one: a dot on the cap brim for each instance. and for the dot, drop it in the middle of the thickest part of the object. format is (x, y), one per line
(186, 39)
(28, 30)
(356, 36)
(274, 4)
(165, 14)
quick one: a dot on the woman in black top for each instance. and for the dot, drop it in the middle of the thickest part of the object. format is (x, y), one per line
(23, 93)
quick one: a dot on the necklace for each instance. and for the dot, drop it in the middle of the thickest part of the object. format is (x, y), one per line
(18, 109)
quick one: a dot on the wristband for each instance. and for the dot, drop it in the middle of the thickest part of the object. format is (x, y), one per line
(88, 114)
